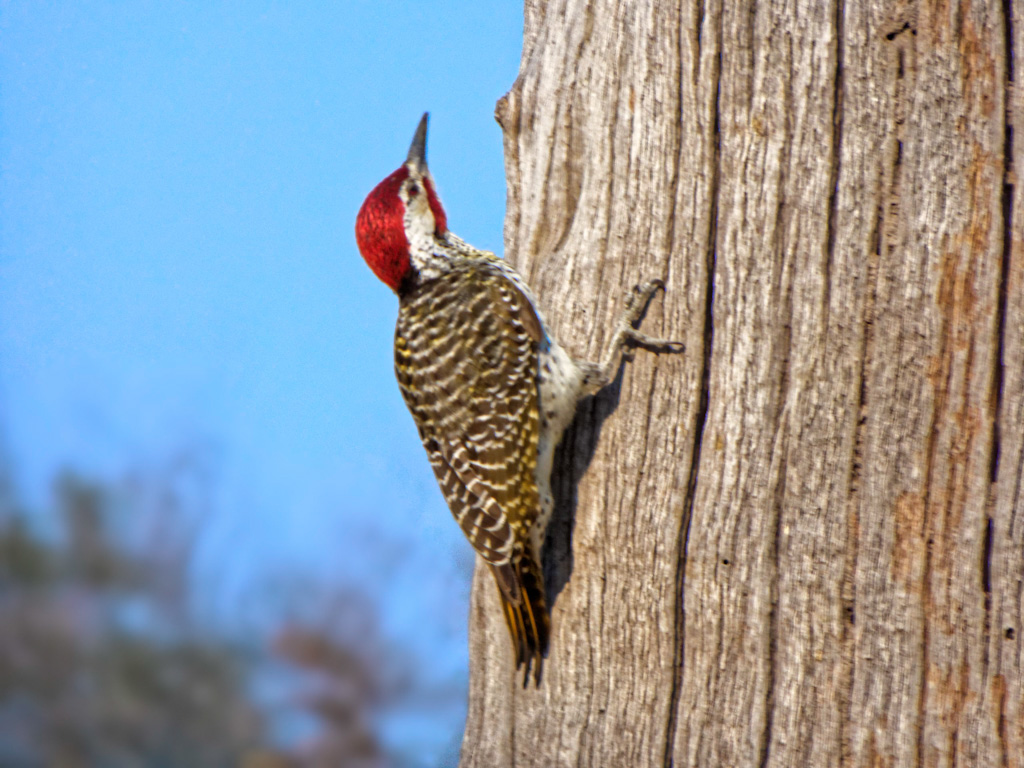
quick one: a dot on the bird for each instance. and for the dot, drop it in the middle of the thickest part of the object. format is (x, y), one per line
(490, 389)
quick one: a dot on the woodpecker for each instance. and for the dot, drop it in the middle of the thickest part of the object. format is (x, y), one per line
(489, 387)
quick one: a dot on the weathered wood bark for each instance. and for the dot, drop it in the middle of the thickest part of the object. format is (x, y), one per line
(802, 543)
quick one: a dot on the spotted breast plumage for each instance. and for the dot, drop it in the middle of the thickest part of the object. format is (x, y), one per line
(489, 388)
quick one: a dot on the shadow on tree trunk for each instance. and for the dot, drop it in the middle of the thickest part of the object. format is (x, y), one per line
(572, 459)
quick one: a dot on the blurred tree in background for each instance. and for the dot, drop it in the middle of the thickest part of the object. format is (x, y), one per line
(88, 674)
(103, 661)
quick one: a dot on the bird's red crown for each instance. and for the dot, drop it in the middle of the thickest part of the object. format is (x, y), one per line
(380, 225)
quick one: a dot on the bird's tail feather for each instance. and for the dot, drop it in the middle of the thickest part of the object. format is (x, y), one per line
(521, 588)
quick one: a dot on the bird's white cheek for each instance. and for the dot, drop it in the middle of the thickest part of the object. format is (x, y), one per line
(419, 225)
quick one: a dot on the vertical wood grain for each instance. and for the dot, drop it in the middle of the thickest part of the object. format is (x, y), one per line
(802, 542)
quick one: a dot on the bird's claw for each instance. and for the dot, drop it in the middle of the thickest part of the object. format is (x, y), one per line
(639, 296)
(661, 345)
(637, 299)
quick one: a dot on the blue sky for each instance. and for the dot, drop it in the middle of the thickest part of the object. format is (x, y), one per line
(178, 274)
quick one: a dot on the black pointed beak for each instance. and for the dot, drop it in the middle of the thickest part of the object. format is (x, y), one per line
(418, 149)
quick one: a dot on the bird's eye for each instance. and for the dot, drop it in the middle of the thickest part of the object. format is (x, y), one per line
(413, 191)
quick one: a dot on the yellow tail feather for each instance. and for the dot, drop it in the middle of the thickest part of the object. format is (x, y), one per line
(527, 618)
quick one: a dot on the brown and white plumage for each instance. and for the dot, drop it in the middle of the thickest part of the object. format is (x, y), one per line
(489, 388)
(466, 361)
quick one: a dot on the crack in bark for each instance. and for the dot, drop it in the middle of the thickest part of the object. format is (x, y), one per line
(670, 727)
(986, 570)
(846, 669)
(1000, 686)
(853, 522)
(1000, 366)
(837, 138)
(702, 408)
(699, 26)
(882, 236)
(1004, 271)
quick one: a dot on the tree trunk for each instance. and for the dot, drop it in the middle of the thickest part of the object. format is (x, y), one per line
(802, 542)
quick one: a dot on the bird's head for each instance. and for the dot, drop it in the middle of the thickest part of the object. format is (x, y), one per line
(401, 216)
